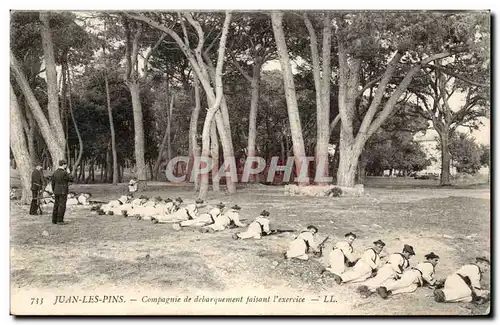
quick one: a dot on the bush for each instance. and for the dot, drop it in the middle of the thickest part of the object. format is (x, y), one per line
(335, 192)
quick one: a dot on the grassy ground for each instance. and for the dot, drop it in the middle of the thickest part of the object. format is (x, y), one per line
(91, 252)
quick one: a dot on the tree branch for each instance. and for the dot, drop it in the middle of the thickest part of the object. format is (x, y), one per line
(243, 72)
(456, 75)
(148, 55)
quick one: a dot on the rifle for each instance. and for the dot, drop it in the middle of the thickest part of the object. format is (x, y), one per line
(320, 246)
(279, 231)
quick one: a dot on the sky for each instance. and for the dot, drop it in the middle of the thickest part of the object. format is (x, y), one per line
(482, 135)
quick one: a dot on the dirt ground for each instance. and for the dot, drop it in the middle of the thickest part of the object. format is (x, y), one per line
(95, 251)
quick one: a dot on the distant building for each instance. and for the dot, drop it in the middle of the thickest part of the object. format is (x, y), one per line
(429, 142)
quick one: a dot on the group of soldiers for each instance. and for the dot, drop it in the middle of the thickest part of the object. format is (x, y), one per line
(394, 275)
(383, 275)
(168, 211)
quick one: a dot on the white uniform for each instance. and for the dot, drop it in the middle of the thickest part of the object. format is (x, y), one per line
(224, 220)
(369, 261)
(300, 246)
(392, 270)
(456, 290)
(183, 214)
(412, 278)
(341, 254)
(203, 219)
(113, 204)
(255, 229)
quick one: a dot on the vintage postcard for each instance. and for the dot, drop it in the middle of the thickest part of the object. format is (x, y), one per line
(232, 162)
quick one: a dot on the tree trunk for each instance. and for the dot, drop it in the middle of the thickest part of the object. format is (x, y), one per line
(139, 134)
(55, 145)
(445, 157)
(322, 86)
(169, 129)
(252, 119)
(19, 148)
(73, 119)
(291, 100)
(213, 112)
(166, 141)
(112, 130)
(214, 149)
(109, 163)
(194, 151)
(51, 76)
(348, 160)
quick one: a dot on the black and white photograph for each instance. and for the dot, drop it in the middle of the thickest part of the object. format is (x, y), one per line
(276, 162)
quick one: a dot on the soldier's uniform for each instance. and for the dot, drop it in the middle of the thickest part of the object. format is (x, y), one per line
(132, 187)
(60, 180)
(302, 244)
(256, 228)
(111, 205)
(182, 214)
(37, 182)
(411, 279)
(223, 221)
(203, 219)
(396, 264)
(362, 270)
(461, 286)
(341, 256)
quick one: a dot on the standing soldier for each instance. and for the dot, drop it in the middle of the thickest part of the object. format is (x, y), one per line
(422, 274)
(365, 266)
(37, 182)
(342, 255)
(60, 185)
(132, 187)
(464, 285)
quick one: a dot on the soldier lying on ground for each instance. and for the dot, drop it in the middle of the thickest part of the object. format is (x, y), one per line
(111, 205)
(78, 199)
(342, 255)
(181, 214)
(256, 229)
(412, 278)
(303, 244)
(369, 262)
(225, 220)
(203, 219)
(464, 285)
(396, 264)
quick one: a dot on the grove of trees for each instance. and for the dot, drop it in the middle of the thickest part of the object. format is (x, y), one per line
(119, 91)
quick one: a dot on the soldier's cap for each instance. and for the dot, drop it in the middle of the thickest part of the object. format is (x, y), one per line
(408, 249)
(198, 201)
(312, 227)
(158, 198)
(350, 234)
(236, 207)
(264, 213)
(168, 200)
(179, 199)
(431, 256)
(143, 197)
(483, 259)
(379, 242)
(220, 205)
(62, 162)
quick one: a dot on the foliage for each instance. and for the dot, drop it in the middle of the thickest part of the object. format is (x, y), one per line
(465, 153)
